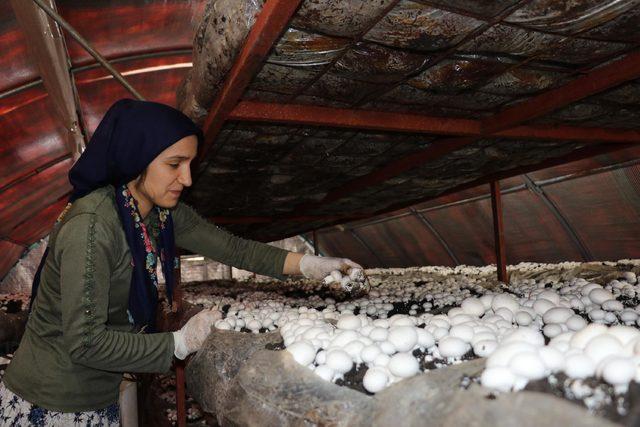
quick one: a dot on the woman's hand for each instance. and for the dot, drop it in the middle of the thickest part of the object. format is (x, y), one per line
(318, 267)
(190, 337)
(349, 274)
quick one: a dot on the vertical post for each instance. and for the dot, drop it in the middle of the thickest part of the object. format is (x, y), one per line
(498, 232)
(181, 396)
(315, 243)
(177, 306)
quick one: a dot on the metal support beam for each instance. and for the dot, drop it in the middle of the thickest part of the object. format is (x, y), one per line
(310, 115)
(177, 307)
(498, 232)
(86, 45)
(48, 49)
(579, 244)
(599, 80)
(578, 89)
(309, 244)
(271, 22)
(315, 242)
(435, 233)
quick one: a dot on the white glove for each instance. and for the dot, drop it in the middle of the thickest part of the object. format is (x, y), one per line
(191, 336)
(349, 274)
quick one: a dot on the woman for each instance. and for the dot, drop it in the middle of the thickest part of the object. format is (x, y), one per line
(97, 285)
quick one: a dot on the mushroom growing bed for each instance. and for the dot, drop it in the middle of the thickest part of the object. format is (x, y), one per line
(561, 336)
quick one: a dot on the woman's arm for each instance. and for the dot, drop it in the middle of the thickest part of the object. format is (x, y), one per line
(84, 250)
(292, 263)
(194, 233)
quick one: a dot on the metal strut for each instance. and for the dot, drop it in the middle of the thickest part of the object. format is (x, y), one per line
(87, 46)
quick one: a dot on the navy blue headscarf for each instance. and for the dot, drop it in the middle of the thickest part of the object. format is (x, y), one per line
(130, 135)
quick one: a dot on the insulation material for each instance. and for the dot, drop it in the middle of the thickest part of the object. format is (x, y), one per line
(481, 9)
(338, 17)
(623, 27)
(415, 26)
(523, 81)
(569, 17)
(231, 18)
(459, 74)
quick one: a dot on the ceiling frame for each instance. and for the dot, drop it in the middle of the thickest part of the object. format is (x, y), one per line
(311, 115)
(271, 22)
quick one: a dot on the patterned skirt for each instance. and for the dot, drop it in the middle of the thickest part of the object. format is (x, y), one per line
(17, 412)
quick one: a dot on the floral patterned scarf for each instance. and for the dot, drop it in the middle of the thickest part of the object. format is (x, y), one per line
(143, 294)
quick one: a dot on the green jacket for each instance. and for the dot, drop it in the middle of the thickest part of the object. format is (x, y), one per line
(78, 340)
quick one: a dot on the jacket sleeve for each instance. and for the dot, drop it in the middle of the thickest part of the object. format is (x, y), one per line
(194, 233)
(84, 246)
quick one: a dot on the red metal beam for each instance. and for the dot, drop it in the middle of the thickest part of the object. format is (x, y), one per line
(271, 22)
(315, 242)
(601, 79)
(351, 118)
(296, 114)
(498, 231)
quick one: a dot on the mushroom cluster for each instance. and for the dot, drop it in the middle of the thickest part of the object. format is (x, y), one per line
(543, 323)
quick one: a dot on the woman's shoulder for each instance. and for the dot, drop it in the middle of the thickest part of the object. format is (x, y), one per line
(100, 202)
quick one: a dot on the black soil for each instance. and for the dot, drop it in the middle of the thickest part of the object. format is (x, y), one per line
(438, 363)
(628, 302)
(12, 306)
(621, 408)
(275, 346)
(353, 379)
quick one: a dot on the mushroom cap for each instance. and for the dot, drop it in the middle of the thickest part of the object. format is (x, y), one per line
(403, 365)
(375, 379)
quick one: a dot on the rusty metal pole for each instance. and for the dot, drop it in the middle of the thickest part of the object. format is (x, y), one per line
(315, 243)
(49, 51)
(177, 307)
(87, 46)
(498, 232)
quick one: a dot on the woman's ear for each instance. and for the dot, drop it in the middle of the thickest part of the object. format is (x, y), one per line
(139, 181)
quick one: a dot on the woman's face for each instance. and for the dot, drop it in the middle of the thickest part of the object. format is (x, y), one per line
(167, 175)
